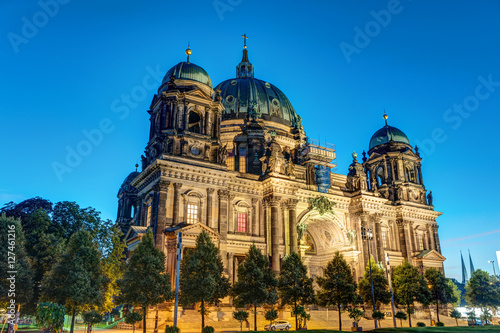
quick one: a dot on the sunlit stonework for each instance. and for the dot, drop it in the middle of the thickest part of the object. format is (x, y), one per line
(235, 160)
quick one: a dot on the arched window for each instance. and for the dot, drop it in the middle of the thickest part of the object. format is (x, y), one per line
(242, 216)
(192, 206)
(380, 176)
(194, 122)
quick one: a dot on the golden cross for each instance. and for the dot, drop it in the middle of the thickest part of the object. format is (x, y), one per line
(244, 40)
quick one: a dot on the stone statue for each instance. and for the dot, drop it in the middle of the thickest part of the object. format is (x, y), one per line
(223, 154)
(429, 198)
(273, 159)
(351, 235)
(290, 167)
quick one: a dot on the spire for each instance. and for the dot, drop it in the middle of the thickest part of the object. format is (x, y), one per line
(464, 270)
(188, 52)
(245, 67)
(471, 264)
(385, 116)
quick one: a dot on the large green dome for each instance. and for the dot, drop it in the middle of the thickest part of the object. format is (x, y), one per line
(387, 134)
(188, 71)
(243, 95)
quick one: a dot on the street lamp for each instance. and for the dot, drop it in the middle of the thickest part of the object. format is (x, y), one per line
(390, 287)
(492, 262)
(367, 235)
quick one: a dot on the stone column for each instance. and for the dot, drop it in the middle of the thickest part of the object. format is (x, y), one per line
(236, 263)
(436, 238)
(292, 224)
(414, 245)
(363, 217)
(210, 192)
(255, 217)
(161, 189)
(275, 241)
(230, 214)
(223, 196)
(262, 219)
(177, 189)
(420, 175)
(378, 238)
(230, 267)
(171, 240)
(402, 238)
(408, 241)
(430, 235)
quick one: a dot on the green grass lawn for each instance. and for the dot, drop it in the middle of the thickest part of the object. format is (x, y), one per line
(448, 329)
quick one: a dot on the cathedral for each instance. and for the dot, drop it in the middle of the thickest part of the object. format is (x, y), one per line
(234, 160)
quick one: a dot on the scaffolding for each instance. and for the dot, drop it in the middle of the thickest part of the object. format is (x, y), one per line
(319, 153)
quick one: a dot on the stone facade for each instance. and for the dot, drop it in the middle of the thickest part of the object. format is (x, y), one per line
(235, 161)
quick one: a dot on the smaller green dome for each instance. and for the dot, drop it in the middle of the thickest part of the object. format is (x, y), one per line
(387, 134)
(188, 71)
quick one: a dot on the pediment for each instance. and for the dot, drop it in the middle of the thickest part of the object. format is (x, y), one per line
(135, 231)
(431, 255)
(193, 230)
(198, 93)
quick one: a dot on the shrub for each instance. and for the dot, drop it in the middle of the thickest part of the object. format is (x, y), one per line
(378, 315)
(420, 324)
(50, 316)
(440, 324)
(172, 329)
(356, 314)
(208, 329)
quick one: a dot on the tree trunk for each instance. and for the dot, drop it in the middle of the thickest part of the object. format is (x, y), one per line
(409, 315)
(340, 318)
(202, 314)
(255, 317)
(241, 326)
(73, 320)
(437, 309)
(144, 313)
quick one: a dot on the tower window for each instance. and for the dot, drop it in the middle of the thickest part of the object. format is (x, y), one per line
(230, 159)
(420, 242)
(384, 239)
(242, 159)
(194, 122)
(192, 214)
(242, 222)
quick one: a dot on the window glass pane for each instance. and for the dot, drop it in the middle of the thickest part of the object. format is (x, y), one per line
(230, 159)
(192, 213)
(242, 160)
(242, 222)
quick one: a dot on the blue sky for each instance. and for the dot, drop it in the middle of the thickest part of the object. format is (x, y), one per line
(78, 69)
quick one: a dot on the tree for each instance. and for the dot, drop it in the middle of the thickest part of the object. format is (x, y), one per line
(240, 316)
(378, 315)
(271, 315)
(202, 277)
(15, 266)
(91, 317)
(132, 318)
(337, 286)
(26, 207)
(409, 287)
(401, 316)
(294, 287)
(50, 316)
(481, 291)
(77, 279)
(300, 313)
(114, 265)
(456, 315)
(440, 290)
(355, 314)
(380, 285)
(457, 294)
(145, 281)
(256, 282)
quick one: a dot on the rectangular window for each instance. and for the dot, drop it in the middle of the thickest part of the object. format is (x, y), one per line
(384, 239)
(242, 160)
(420, 242)
(242, 222)
(192, 214)
(230, 159)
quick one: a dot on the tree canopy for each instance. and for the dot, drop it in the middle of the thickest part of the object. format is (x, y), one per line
(202, 277)
(482, 290)
(145, 281)
(337, 286)
(441, 292)
(380, 285)
(256, 282)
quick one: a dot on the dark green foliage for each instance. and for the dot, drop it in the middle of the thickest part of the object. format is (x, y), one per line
(133, 317)
(380, 285)
(420, 324)
(439, 324)
(145, 282)
(378, 315)
(26, 207)
(202, 277)
(271, 315)
(256, 282)
(355, 314)
(294, 287)
(92, 317)
(50, 316)
(14, 259)
(409, 287)
(300, 313)
(401, 316)
(481, 290)
(114, 266)
(240, 316)
(337, 286)
(207, 329)
(441, 292)
(455, 314)
(173, 329)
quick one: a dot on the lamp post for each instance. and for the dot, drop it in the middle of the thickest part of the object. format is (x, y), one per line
(367, 235)
(390, 287)
(492, 262)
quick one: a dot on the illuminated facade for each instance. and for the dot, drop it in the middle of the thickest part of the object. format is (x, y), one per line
(235, 161)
